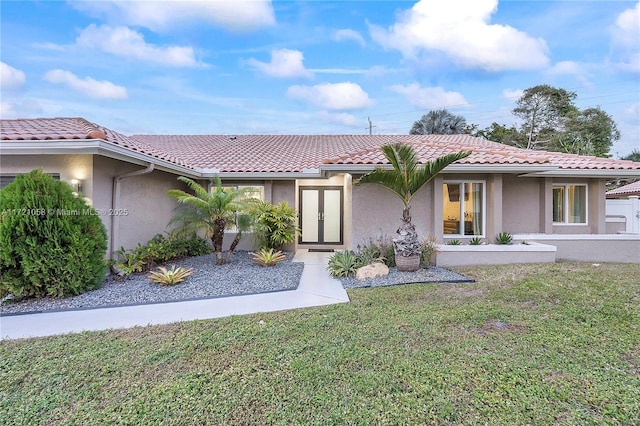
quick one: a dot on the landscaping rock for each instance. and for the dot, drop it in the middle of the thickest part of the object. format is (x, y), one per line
(372, 271)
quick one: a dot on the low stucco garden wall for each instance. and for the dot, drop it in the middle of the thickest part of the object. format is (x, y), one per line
(494, 254)
(624, 248)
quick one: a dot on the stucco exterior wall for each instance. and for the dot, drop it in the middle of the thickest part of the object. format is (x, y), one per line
(376, 212)
(148, 208)
(78, 166)
(521, 206)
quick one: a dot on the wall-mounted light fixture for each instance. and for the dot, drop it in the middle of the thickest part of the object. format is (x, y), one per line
(76, 184)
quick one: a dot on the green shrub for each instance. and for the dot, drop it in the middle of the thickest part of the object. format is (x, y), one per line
(504, 238)
(428, 246)
(368, 254)
(159, 250)
(342, 264)
(51, 242)
(275, 225)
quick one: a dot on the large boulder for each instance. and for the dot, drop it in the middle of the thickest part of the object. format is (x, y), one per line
(372, 271)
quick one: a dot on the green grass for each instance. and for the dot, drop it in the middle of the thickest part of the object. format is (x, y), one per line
(526, 344)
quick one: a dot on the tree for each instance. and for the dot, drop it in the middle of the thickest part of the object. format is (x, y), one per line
(634, 156)
(439, 122)
(211, 212)
(405, 180)
(52, 243)
(503, 134)
(544, 111)
(588, 132)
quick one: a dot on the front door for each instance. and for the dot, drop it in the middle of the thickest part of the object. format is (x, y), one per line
(321, 215)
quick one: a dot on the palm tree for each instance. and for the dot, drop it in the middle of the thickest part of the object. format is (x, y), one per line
(439, 122)
(404, 180)
(211, 212)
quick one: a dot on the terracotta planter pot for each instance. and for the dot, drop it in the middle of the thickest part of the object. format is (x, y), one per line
(408, 263)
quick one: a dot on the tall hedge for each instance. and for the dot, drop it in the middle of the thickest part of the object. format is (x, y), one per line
(51, 242)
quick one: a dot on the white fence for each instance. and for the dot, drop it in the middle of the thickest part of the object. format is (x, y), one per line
(624, 215)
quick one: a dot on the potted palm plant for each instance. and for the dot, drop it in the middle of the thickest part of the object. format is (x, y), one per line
(404, 180)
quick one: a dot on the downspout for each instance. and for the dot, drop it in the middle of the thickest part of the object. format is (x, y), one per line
(115, 202)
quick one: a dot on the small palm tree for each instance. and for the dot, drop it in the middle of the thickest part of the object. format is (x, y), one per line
(404, 180)
(211, 212)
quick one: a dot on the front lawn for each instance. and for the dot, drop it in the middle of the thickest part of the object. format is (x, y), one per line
(525, 344)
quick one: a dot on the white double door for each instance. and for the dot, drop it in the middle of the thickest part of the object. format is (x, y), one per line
(321, 215)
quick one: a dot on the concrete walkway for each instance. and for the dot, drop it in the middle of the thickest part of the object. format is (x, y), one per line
(317, 288)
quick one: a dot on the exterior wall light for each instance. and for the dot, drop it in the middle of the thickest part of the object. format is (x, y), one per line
(76, 185)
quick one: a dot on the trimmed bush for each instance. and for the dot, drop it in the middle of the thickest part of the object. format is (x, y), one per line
(51, 242)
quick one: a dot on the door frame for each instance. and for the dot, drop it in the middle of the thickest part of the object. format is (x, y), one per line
(321, 209)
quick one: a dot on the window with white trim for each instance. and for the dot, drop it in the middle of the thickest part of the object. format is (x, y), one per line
(463, 208)
(569, 204)
(250, 191)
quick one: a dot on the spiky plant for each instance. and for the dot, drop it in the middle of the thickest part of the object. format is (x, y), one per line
(173, 276)
(405, 180)
(268, 257)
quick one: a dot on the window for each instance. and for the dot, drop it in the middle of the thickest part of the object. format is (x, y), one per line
(251, 191)
(570, 204)
(6, 179)
(463, 208)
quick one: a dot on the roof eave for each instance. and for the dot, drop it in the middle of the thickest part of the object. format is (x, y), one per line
(587, 173)
(92, 146)
(453, 168)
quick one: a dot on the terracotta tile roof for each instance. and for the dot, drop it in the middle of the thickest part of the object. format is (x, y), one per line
(264, 153)
(294, 153)
(50, 129)
(626, 190)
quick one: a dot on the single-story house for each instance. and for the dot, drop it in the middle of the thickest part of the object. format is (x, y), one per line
(549, 197)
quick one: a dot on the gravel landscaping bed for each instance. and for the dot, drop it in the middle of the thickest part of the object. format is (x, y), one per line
(240, 276)
(432, 274)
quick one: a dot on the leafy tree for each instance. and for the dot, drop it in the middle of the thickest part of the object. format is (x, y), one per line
(588, 132)
(503, 134)
(634, 156)
(211, 212)
(544, 111)
(52, 243)
(439, 122)
(405, 180)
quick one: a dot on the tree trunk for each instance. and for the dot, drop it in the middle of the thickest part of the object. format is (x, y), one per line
(407, 243)
(233, 246)
(217, 238)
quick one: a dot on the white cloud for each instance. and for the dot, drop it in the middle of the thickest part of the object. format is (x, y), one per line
(461, 29)
(163, 15)
(87, 86)
(430, 97)
(20, 108)
(284, 63)
(348, 35)
(513, 95)
(336, 96)
(571, 68)
(122, 41)
(338, 117)
(11, 78)
(625, 40)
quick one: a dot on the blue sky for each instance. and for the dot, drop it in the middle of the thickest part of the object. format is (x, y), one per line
(313, 67)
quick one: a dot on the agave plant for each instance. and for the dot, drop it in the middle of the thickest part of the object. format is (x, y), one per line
(173, 276)
(267, 257)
